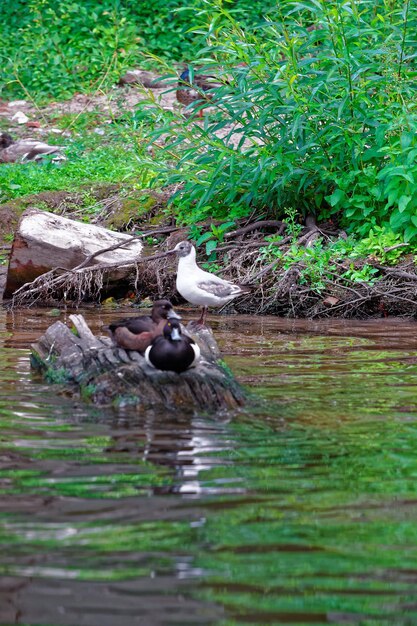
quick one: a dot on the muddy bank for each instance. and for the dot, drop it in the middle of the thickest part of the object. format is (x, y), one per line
(247, 255)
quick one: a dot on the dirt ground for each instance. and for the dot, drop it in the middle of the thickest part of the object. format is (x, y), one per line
(25, 119)
(22, 118)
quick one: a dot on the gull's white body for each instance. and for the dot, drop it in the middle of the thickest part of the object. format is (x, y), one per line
(200, 287)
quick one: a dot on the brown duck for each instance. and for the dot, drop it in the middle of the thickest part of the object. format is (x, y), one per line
(137, 333)
(195, 87)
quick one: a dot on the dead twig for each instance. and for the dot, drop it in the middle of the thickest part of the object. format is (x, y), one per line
(395, 272)
(281, 226)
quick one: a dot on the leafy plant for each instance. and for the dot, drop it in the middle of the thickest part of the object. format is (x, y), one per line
(318, 264)
(214, 236)
(364, 274)
(315, 110)
(381, 243)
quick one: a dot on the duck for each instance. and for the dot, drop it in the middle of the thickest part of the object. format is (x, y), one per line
(200, 287)
(195, 87)
(24, 149)
(172, 351)
(137, 333)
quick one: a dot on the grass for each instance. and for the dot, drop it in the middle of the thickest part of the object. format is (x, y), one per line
(91, 158)
(51, 50)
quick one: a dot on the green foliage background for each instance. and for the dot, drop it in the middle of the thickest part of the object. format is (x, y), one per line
(53, 48)
(318, 115)
(322, 94)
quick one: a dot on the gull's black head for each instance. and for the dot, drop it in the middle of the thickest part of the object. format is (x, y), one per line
(5, 140)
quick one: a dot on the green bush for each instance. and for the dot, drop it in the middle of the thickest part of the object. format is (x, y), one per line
(321, 106)
(54, 48)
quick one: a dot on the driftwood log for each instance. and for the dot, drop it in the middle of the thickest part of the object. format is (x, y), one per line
(107, 374)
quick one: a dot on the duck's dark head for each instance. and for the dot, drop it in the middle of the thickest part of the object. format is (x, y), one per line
(172, 330)
(184, 248)
(185, 75)
(162, 309)
(5, 140)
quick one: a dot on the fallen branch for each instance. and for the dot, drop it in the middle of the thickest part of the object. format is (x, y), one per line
(160, 231)
(255, 225)
(395, 272)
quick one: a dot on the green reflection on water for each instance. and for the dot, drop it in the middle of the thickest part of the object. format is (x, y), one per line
(299, 510)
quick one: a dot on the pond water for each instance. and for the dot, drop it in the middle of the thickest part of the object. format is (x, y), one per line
(301, 509)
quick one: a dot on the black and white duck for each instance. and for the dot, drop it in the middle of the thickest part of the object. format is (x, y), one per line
(172, 351)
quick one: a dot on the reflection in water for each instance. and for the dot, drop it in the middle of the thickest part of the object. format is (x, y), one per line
(298, 510)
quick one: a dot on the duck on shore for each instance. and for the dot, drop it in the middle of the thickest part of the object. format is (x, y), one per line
(24, 149)
(137, 333)
(200, 287)
(194, 87)
(172, 351)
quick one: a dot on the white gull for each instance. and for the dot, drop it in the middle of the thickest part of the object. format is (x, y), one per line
(200, 287)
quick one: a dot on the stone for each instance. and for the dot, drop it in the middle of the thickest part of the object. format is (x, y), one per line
(45, 241)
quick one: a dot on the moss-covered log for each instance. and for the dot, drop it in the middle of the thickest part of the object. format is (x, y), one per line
(107, 374)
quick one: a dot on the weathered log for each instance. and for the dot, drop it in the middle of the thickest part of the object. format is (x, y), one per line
(107, 374)
(44, 241)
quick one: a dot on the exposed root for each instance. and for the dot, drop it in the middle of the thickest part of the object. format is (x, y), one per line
(279, 287)
(285, 292)
(84, 282)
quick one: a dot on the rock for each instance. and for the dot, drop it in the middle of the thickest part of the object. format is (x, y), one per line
(107, 374)
(144, 78)
(330, 301)
(20, 117)
(44, 241)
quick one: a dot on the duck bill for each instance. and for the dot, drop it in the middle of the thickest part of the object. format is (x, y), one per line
(175, 335)
(172, 315)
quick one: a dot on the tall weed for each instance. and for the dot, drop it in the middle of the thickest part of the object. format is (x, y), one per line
(316, 112)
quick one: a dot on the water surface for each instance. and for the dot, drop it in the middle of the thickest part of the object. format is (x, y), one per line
(299, 510)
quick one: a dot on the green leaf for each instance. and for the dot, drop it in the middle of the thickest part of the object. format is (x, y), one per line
(410, 233)
(337, 196)
(211, 246)
(403, 203)
(397, 220)
(204, 237)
